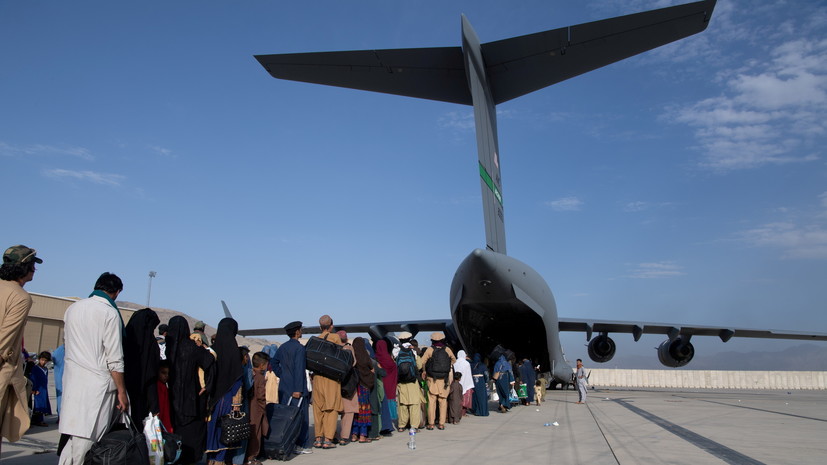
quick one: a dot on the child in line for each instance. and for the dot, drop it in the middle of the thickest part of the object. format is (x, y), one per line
(40, 383)
(259, 426)
(538, 390)
(455, 400)
(163, 395)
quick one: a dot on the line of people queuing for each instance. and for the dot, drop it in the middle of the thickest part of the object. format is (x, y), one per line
(191, 381)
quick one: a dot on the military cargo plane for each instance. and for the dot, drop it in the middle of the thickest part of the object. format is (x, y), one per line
(496, 299)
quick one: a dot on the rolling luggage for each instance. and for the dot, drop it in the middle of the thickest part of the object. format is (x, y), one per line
(327, 358)
(284, 429)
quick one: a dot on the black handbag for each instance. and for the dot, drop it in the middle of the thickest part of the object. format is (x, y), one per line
(235, 427)
(122, 447)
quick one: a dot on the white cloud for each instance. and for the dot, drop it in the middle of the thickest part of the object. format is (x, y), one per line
(635, 206)
(652, 270)
(796, 239)
(565, 204)
(805, 242)
(773, 109)
(462, 120)
(42, 149)
(161, 150)
(106, 179)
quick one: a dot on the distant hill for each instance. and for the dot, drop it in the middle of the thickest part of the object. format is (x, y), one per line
(804, 357)
(254, 343)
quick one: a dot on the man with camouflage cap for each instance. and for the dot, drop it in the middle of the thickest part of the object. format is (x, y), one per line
(18, 268)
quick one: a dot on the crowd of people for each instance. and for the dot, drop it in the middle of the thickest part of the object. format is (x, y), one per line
(191, 381)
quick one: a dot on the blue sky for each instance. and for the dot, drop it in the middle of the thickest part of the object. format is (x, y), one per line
(686, 185)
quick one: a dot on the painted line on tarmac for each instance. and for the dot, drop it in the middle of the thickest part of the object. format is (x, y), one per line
(754, 408)
(717, 449)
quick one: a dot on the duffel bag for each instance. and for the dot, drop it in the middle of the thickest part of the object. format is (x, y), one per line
(327, 358)
(122, 447)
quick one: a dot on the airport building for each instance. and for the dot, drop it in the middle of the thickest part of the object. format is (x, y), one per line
(44, 327)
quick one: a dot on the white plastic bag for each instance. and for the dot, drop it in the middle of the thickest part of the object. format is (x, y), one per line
(154, 440)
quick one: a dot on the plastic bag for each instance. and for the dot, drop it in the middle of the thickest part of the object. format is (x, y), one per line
(154, 439)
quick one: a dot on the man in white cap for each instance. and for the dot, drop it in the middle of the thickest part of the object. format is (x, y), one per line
(409, 396)
(438, 361)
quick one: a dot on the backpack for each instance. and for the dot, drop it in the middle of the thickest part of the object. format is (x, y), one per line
(439, 365)
(406, 366)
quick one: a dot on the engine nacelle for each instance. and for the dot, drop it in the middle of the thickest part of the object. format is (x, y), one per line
(676, 353)
(602, 348)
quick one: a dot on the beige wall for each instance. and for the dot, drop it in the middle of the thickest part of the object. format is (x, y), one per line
(708, 379)
(44, 327)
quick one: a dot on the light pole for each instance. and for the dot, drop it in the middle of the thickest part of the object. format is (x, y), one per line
(149, 290)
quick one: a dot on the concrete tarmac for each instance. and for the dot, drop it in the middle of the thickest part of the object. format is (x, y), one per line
(613, 427)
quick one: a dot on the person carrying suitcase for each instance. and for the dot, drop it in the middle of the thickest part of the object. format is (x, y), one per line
(289, 365)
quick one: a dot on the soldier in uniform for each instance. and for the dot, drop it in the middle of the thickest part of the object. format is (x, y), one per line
(438, 388)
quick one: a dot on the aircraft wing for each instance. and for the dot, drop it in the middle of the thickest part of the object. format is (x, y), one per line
(514, 66)
(371, 328)
(674, 330)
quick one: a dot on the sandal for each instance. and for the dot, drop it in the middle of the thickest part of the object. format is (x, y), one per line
(429, 427)
(440, 427)
(344, 442)
(328, 445)
(400, 430)
(354, 438)
(364, 440)
(319, 443)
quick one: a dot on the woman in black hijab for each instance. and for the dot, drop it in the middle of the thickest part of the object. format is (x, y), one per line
(185, 392)
(228, 392)
(141, 357)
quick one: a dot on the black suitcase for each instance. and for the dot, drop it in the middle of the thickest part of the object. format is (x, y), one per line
(284, 430)
(327, 358)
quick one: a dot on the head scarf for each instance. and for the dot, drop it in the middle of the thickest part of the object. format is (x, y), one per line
(228, 362)
(141, 357)
(477, 367)
(462, 366)
(383, 356)
(527, 373)
(364, 364)
(502, 365)
(177, 330)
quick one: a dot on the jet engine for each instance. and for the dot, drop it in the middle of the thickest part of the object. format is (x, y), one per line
(676, 353)
(602, 348)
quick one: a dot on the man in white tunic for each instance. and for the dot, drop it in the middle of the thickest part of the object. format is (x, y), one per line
(93, 381)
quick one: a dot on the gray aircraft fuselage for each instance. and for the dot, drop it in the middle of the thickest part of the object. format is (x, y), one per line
(496, 299)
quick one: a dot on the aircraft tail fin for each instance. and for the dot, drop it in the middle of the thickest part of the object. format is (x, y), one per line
(520, 65)
(429, 73)
(226, 310)
(484, 75)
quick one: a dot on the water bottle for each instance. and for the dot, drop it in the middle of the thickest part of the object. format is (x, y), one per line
(412, 441)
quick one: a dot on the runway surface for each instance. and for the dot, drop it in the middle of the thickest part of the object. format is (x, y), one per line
(613, 427)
